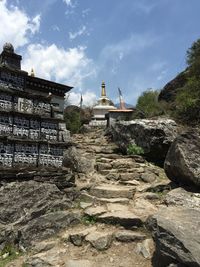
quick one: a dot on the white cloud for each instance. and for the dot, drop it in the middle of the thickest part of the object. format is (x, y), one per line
(144, 6)
(135, 43)
(16, 26)
(68, 2)
(55, 28)
(85, 12)
(50, 62)
(89, 98)
(82, 31)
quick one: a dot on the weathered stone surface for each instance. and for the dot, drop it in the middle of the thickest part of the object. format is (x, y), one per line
(113, 191)
(37, 262)
(176, 233)
(181, 197)
(129, 236)
(148, 177)
(77, 238)
(143, 208)
(95, 211)
(99, 240)
(47, 225)
(78, 163)
(145, 248)
(154, 136)
(63, 178)
(129, 176)
(34, 210)
(182, 164)
(43, 246)
(126, 219)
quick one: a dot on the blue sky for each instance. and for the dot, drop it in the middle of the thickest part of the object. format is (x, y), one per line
(131, 44)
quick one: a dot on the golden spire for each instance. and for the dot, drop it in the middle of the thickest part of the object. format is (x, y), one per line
(103, 89)
(32, 72)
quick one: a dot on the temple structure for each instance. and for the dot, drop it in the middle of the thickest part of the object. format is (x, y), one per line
(32, 129)
(103, 106)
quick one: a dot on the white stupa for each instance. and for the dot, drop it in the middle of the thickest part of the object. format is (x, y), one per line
(103, 106)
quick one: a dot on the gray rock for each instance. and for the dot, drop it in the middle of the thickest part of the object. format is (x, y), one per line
(182, 164)
(145, 248)
(43, 246)
(47, 225)
(124, 218)
(181, 197)
(154, 136)
(113, 191)
(37, 262)
(99, 240)
(78, 163)
(148, 177)
(77, 238)
(32, 211)
(129, 236)
(176, 233)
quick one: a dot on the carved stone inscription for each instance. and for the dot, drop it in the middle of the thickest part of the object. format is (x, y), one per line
(6, 154)
(21, 127)
(5, 124)
(51, 156)
(26, 154)
(49, 131)
(25, 105)
(5, 102)
(42, 109)
(34, 132)
(12, 79)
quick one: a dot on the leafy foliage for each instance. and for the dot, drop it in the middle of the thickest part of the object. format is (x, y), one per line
(75, 117)
(133, 149)
(11, 252)
(188, 102)
(148, 106)
(193, 59)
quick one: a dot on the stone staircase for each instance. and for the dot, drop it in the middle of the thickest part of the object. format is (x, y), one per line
(116, 197)
(117, 187)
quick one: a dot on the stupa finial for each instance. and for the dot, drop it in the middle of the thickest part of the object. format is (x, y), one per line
(103, 89)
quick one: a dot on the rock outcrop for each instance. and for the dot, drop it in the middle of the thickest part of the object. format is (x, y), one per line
(77, 162)
(176, 233)
(31, 211)
(182, 164)
(154, 136)
(168, 93)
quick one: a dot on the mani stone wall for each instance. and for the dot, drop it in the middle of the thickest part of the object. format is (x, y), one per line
(32, 130)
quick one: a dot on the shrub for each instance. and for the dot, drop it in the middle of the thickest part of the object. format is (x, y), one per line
(133, 149)
(148, 106)
(188, 102)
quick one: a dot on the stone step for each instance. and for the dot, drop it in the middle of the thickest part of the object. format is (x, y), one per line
(113, 191)
(89, 198)
(114, 214)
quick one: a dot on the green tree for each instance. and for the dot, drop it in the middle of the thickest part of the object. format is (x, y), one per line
(148, 105)
(193, 59)
(72, 118)
(188, 102)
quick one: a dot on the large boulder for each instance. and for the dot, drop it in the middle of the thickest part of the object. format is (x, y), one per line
(74, 160)
(32, 211)
(176, 233)
(182, 164)
(154, 136)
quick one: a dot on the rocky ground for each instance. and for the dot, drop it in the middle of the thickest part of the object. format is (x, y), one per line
(118, 204)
